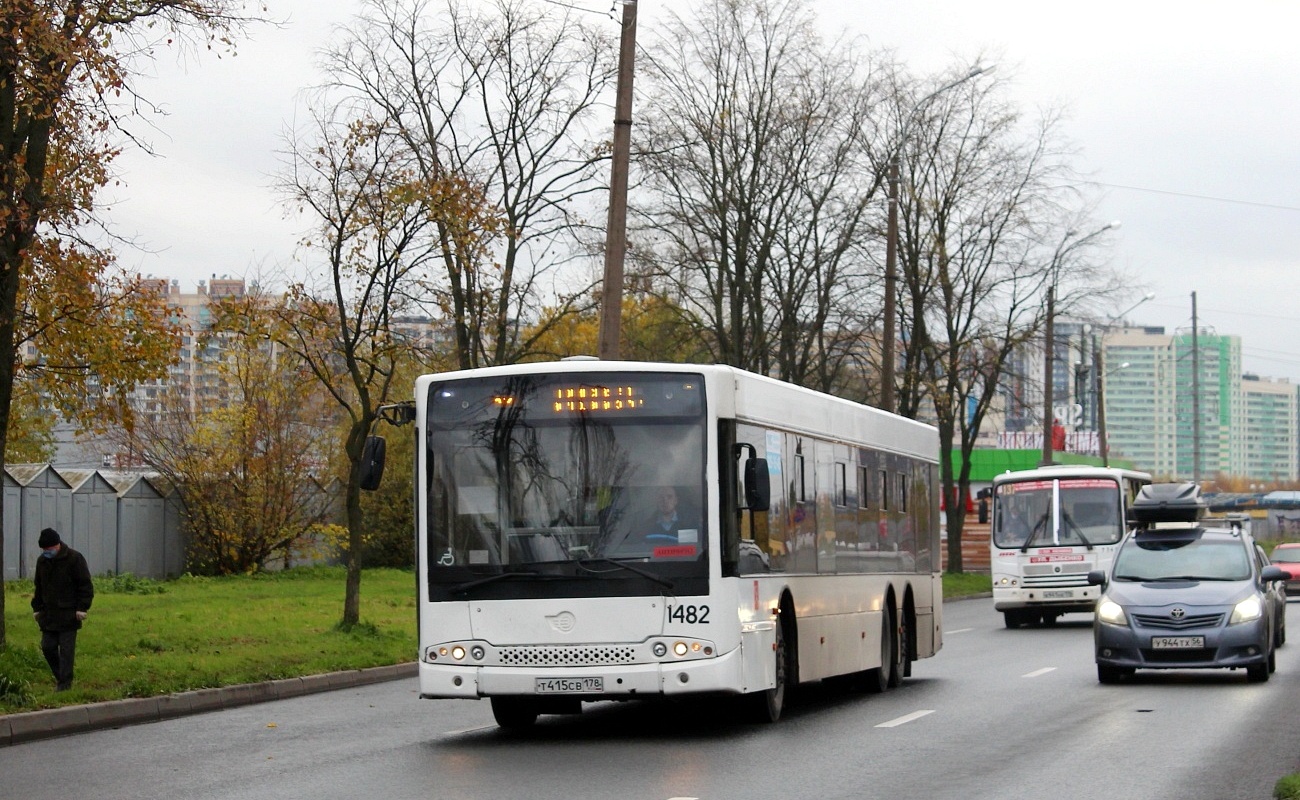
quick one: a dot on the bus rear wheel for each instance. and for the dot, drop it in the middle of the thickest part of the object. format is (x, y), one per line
(902, 656)
(882, 677)
(514, 713)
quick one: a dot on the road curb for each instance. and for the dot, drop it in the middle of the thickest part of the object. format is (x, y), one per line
(48, 723)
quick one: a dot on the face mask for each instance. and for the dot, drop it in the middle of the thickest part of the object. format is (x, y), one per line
(49, 553)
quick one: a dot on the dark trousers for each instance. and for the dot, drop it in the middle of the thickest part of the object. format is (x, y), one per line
(60, 648)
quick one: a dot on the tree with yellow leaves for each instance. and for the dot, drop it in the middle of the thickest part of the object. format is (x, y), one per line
(66, 69)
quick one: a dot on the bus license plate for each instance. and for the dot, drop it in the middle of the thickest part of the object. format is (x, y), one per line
(1176, 642)
(568, 685)
(1058, 595)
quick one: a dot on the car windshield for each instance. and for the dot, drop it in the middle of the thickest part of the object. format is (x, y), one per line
(1196, 559)
(1285, 555)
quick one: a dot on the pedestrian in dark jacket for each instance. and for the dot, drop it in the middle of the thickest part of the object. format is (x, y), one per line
(63, 596)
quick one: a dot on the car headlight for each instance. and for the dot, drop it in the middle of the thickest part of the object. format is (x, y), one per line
(1110, 612)
(1247, 610)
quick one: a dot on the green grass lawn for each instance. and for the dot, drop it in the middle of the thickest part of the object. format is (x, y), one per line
(145, 638)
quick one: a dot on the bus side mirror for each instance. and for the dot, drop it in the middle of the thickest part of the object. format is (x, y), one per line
(758, 485)
(372, 463)
(1097, 578)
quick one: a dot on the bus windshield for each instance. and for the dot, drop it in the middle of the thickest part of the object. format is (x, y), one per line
(566, 480)
(1066, 511)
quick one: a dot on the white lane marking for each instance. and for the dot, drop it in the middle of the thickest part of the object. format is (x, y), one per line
(683, 798)
(1038, 672)
(469, 730)
(906, 718)
(959, 630)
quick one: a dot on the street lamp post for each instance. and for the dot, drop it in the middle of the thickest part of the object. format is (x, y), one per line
(887, 347)
(1068, 243)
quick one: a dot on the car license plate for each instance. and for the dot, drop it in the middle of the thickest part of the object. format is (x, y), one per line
(1176, 642)
(1057, 595)
(568, 685)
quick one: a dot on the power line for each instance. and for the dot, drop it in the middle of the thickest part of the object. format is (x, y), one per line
(1234, 201)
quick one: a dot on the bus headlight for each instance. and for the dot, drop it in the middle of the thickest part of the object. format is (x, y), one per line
(1247, 610)
(458, 652)
(680, 649)
(659, 649)
(1110, 612)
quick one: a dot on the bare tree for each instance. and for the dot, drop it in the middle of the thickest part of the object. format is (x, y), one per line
(373, 210)
(65, 68)
(759, 182)
(982, 195)
(501, 97)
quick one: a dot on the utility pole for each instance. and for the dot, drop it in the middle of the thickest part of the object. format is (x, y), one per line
(888, 337)
(611, 299)
(1048, 417)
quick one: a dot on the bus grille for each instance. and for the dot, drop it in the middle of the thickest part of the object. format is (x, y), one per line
(1053, 581)
(547, 656)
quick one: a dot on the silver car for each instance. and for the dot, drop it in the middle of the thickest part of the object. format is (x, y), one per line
(1187, 597)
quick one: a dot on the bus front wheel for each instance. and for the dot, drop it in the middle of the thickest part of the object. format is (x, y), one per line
(514, 713)
(767, 705)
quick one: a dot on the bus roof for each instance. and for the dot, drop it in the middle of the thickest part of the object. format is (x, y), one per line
(1070, 471)
(751, 397)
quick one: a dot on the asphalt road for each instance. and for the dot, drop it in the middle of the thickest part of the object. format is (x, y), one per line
(997, 714)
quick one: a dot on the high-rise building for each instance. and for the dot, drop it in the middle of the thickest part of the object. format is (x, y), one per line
(1179, 406)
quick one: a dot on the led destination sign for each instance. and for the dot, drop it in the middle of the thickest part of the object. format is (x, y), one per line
(532, 398)
(597, 399)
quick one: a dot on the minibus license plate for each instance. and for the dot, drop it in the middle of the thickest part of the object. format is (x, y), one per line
(1176, 642)
(1058, 594)
(568, 685)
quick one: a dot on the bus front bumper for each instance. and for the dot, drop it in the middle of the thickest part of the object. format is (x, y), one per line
(1072, 598)
(722, 674)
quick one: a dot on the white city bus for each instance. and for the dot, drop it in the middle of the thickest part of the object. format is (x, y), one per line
(803, 544)
(1052, 526)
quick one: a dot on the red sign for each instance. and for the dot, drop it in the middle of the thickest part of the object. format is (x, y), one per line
(674, 551)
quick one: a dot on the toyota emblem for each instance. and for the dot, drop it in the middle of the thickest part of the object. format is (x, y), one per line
(1178, 612)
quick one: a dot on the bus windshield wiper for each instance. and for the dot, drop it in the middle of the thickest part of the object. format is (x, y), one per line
(584, 563)
(461, 588)
(1069, 521)
(1040, 525)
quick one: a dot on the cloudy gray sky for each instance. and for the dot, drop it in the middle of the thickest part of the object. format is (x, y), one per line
(1185, 114)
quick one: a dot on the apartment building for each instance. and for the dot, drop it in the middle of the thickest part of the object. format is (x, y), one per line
(1180, 406)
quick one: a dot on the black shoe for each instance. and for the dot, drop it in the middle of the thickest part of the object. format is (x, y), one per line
(63, 687)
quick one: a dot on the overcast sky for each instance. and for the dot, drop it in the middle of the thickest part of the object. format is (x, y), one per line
(1186, 114)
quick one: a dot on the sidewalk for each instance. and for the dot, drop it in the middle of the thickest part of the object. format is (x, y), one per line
(47, 723)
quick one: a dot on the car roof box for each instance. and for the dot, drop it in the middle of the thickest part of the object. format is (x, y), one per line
(1167, 502)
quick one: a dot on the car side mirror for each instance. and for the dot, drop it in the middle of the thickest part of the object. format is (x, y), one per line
(1097, 578)
(1272, 573)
